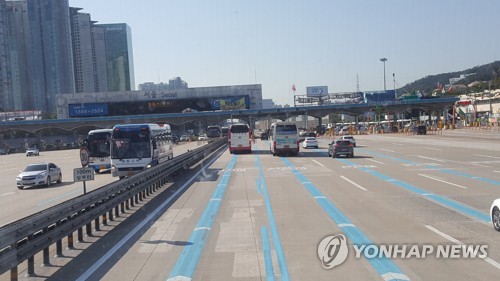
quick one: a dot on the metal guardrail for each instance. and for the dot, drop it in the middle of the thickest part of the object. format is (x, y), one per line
(22, 239)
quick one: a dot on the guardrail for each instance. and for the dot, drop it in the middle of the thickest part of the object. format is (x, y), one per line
(22, 239)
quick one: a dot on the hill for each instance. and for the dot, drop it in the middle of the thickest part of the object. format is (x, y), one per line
(483, 73)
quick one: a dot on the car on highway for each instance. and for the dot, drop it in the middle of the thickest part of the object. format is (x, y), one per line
(184, 138)
(33, 151)
(40, 174)
(3, 151)
(341, 147)
(495, 214)
(310, 142)
(264, 136)
(349, 138)
(422, 130)
(203, 138)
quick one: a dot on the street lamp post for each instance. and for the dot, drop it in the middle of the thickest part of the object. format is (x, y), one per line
(384, 60)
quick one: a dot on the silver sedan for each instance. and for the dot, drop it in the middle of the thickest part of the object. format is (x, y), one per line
(39, 174)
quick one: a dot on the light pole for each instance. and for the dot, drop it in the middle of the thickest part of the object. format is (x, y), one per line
(384, 60)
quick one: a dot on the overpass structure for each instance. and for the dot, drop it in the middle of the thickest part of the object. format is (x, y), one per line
(71, 124)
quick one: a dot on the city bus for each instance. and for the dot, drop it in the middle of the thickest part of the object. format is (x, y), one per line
(135, 147)
(284, 138)
(225, 130)
(98, 143)
(214, 131)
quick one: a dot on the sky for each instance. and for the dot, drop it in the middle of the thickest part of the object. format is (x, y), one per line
(280, 43)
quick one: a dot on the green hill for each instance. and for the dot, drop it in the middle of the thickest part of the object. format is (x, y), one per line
(483, 74)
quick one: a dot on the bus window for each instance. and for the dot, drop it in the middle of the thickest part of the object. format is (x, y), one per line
(239, 138)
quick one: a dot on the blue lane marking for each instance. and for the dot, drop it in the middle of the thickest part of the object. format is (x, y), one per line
(272, 223)
(444, 170)
(384, 266)
(461, 208)
(188, 260)
(266, 245)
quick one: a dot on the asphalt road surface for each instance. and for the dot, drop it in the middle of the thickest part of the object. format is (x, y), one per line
(259, 217)
(16, 204)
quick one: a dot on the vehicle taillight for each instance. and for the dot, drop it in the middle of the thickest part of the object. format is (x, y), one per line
(274, 144)
(350, 145)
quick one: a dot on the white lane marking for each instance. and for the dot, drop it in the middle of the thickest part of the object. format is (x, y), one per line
(387, 150)
(476, 146)
(494, 157)
(319, 197)
(6, 194)
(179, 278)
(496, 172)
(394, 276)
(353, 183)
(475, 164)
(434, 159)
(202, 228)
(215, 199)
(397, 143)
(448, 237)
(437, 179)
(427, 194)
(319, 163)
(375, 161)
(346, 225)
(430, 148)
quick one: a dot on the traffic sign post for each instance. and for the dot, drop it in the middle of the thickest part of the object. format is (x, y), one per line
(84, 156)
(84, 174)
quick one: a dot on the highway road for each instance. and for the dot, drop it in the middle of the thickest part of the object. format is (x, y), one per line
(259, 217)
(16, 204)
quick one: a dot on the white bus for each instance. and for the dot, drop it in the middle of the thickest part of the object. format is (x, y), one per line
(98, 143)
(214, 131)
(284, 138)
(136, 147)
(239, 138)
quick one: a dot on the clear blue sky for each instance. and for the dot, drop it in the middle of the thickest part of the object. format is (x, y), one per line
(278, 43)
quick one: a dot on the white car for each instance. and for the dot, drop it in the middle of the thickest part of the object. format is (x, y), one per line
(39, 174)
(32, 152)
(203, 138)
(495, 214)
(310, 142)
(349, 138)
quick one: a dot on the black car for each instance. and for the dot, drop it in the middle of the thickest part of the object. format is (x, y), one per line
(421, 130)
(341, 147)
(264, 136)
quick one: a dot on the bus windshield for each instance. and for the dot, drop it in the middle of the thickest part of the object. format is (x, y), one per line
(213, 131)
(237, 129)
(130, 144)
(99, 144)
(286, 129)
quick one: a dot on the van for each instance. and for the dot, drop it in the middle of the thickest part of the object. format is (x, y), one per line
(284, 138)
(239, 138)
